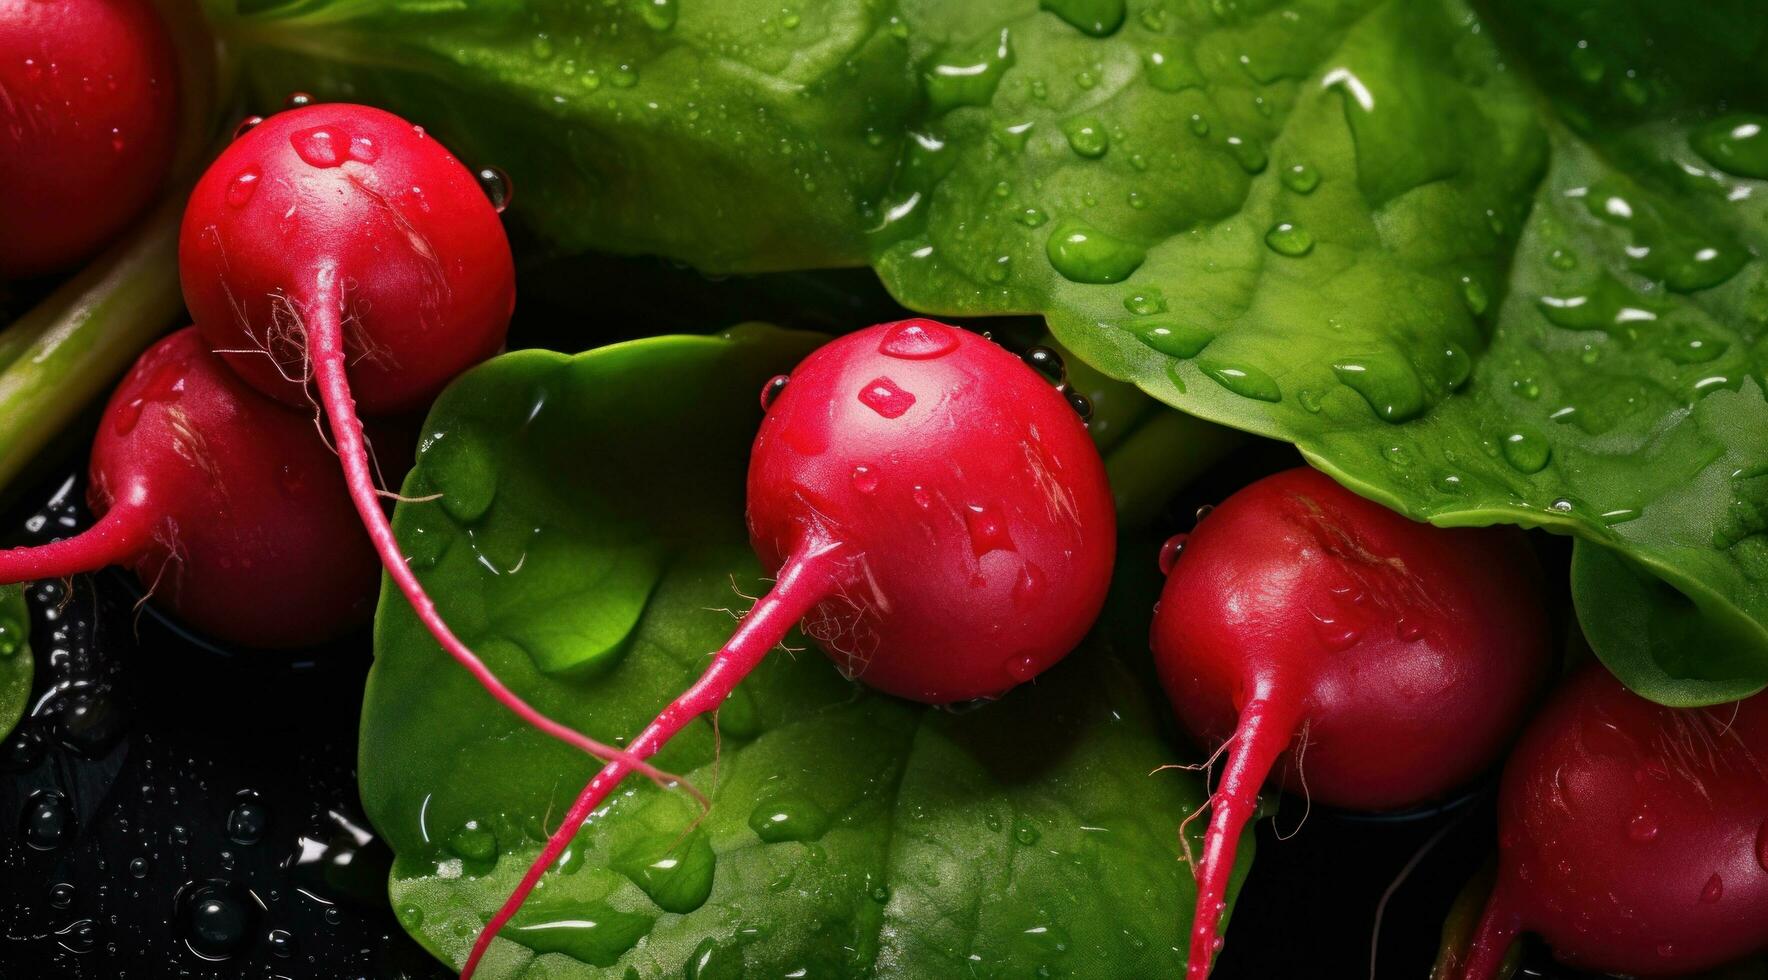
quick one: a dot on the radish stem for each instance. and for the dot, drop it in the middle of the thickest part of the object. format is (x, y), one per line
(1266, 725)
(325, 344)
(116, 539)
(805, 580)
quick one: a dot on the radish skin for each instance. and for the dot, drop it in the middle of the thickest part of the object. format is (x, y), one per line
(1374, 662)
(337, 253)
(228, 507)
(88, 126)
(939, 520)
(1633, 837)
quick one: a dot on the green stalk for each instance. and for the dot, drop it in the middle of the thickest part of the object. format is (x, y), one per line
(73, 346)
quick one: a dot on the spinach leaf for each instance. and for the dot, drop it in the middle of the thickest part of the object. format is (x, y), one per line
(15, 657)
(1482, 266)
(589, 543)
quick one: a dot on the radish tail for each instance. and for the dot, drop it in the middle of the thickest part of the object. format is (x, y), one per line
(116, 539)
(1266, 724)
(805, 580)
(325, 345)
(1493, 937)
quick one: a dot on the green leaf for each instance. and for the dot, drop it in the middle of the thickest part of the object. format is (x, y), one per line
(15, 657)
(589, 543)
(1482, 266)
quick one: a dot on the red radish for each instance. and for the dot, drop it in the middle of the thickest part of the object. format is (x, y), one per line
(88, 124)
(1381, 662)
(938, 518)
(232, 510)
(340, 245)
(228, 506)
(1633, 837)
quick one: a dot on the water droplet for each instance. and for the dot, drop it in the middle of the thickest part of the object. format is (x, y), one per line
(1170, 552)
(410, 917)
(1170, 67)
(79, 936)
(298, 100)
(1181, 340)
(240, 189)
(1046, 362)
(48, 820)
(1562, 260)
(281, 943)
(61, 894)
(1025, 833)
(364, 150)
(1082, 405)
(1287, 238)
(988, 530)
(248, 820)
(497, 187)
(789, 817)
(1561, 505)
(1713, 890)
(1145, 302)
(1300, 178)
(588, 932)
(1098, 18)
(922, 497)
(1022, 669)
(623, 76)
(969, 79)
(1526, 450)
(1084, 254)
(91, 723)
(1030, 586)
(1474, 295)
(882, 395)
(772, 389)
(1199, 125)
(918, 340)
(1736, 144)
(1249, 153)
(659, 15)
(1242, 379)
(1086, 137)
(216, 918)
(1387, 383)
(246, 125)
(1643, 827)
(675, 871)
(317, 146)
(865, 478)
(139, 867)
(473, 842)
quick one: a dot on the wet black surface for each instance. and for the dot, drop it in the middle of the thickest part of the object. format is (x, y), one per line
(182, 810)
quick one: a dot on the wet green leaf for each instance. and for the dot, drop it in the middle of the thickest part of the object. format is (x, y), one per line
(1493, 264)
(602, 559)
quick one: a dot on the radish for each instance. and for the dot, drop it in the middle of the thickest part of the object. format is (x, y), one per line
(938, 518)
(339, 245)
(227, 506)
(1381, 662)
(232, 511)
(1633, 837)
(88, 125)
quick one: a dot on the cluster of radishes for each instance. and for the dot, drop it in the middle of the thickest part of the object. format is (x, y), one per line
(931, 504)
